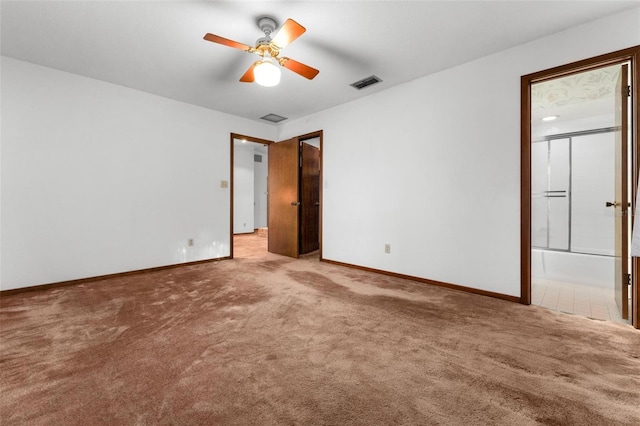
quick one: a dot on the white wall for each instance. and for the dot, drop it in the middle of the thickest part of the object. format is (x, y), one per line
(243, 189)
(451, 209)
(99, 179)
(260, 170)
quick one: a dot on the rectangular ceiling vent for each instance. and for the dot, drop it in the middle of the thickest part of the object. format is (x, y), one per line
(274, 118)
(366, 82)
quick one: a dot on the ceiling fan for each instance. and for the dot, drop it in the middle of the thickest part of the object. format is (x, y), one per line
(264, 71)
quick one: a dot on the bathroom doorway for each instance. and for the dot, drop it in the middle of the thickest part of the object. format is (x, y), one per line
(580, 184)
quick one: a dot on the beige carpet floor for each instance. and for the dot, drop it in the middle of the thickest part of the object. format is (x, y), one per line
(268, 340)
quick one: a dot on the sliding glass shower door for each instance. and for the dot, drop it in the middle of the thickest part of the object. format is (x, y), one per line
(572, 180)
(551, 194)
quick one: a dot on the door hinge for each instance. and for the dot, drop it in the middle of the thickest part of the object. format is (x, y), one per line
(628, 279)
(628, 91)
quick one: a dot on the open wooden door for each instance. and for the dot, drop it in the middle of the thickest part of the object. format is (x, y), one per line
(283, 192)
(310, 198)
(621, 202)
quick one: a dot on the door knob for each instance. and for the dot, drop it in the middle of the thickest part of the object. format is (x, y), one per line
(295, 203)
(614, 204)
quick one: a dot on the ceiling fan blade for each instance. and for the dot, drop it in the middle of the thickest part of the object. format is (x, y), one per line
(248, 76)
(225, 41)
(298, 67)
(289, 31)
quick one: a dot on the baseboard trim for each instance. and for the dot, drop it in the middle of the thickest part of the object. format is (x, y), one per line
(42, 287)
(428, 281)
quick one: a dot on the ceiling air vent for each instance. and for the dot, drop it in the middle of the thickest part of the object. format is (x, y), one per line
(274, 118)
(366, 82)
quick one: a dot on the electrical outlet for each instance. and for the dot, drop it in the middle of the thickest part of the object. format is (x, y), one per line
(224, 184)
(387, 248)
(190, 242)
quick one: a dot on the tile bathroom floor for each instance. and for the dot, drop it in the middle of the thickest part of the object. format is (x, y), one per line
(578, 299)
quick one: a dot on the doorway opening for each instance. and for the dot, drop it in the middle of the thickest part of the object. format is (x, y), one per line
(276, 195)
(249, 198)
(579, 174)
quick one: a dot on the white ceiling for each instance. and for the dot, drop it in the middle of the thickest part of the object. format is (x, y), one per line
(157, 46)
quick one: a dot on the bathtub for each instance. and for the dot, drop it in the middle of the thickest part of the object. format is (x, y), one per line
(573, 267)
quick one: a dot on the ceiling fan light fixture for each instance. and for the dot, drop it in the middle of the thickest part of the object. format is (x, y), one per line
(266, 73)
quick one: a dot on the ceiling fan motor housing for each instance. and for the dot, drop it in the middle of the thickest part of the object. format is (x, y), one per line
(267, 25)
(263, 44)
(263, 41)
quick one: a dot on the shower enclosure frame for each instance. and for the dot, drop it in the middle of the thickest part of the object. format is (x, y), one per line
(569, 195)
